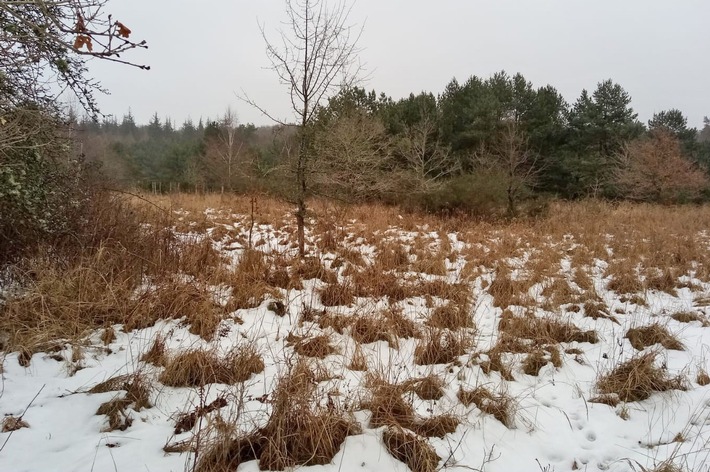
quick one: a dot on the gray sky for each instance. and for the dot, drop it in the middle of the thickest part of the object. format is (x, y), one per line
(204, 52)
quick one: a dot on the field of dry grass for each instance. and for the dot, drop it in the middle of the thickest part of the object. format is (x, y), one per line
(441, 342)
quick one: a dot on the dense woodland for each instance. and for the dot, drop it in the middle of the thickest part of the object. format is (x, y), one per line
(478, 146)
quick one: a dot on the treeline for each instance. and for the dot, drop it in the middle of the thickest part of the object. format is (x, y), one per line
(479, 146)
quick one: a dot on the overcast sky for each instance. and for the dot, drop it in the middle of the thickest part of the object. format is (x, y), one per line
(202, 53)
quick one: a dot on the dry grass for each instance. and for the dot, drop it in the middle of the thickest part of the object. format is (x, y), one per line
(359, 361)
(392, 256)
(451, 316)
(502, 406)
(389, 407)
(689, 317)
(177, 299)
(337, 294)
(544, 330)
(372, 282)
(624, 277)
(647, 336)
(200, 367)
(156, 355)
(318, 346)
(13, 423)
(298, 432)
(596, 309)
(507, 291)
(430, 387)
(441, 347)
(313, 268)
(410, 449)
(702, 378)
(137, 397)
(638, 378)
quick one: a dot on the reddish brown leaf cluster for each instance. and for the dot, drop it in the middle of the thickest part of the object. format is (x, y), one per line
(80, 25)
(83, 40)
(123, 31)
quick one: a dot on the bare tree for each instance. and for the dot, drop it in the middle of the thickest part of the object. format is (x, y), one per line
(511, 157)
(225, 155)
(655, 170)
(313, 56)
(352, 158)
(426, 159)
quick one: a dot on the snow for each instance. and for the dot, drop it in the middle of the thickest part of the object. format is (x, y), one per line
(556, 428)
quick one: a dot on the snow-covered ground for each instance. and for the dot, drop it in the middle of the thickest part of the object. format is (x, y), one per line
(556, 427)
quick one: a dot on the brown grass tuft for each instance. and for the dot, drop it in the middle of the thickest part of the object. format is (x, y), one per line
(137, 397)
(318, 346)
(702, 378)
(299, 430)
(544, 330)
(430, 387)
(689, 317)
(108, 335)
(200, 367)
(359, 361)
(371, 282)
(313, 268)
(177, 299)
(646, 336)
(337, 294)
(505, 290)
(637, 378)
(441, 347)
(502, 407)
(414, 451)
(451, 316)
(156, 354)
(13, 423)
(595, 310)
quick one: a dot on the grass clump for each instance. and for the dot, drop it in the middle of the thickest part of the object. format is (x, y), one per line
(337, 294)
(137, 397)
(440, 347)
(389, 407)
(544, 330)
(410, 449)
(156, 355)
(689, 317)
(177, 299)
(507, 291)
(646, 336)
(199, 367)
(637, 379)
(299, 431)
(451, 316)
(318, 346)
(595, 310)
(502, 407)
(430, 387)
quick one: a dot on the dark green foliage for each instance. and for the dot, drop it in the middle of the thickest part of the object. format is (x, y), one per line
(40, 182)
(480, 194)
